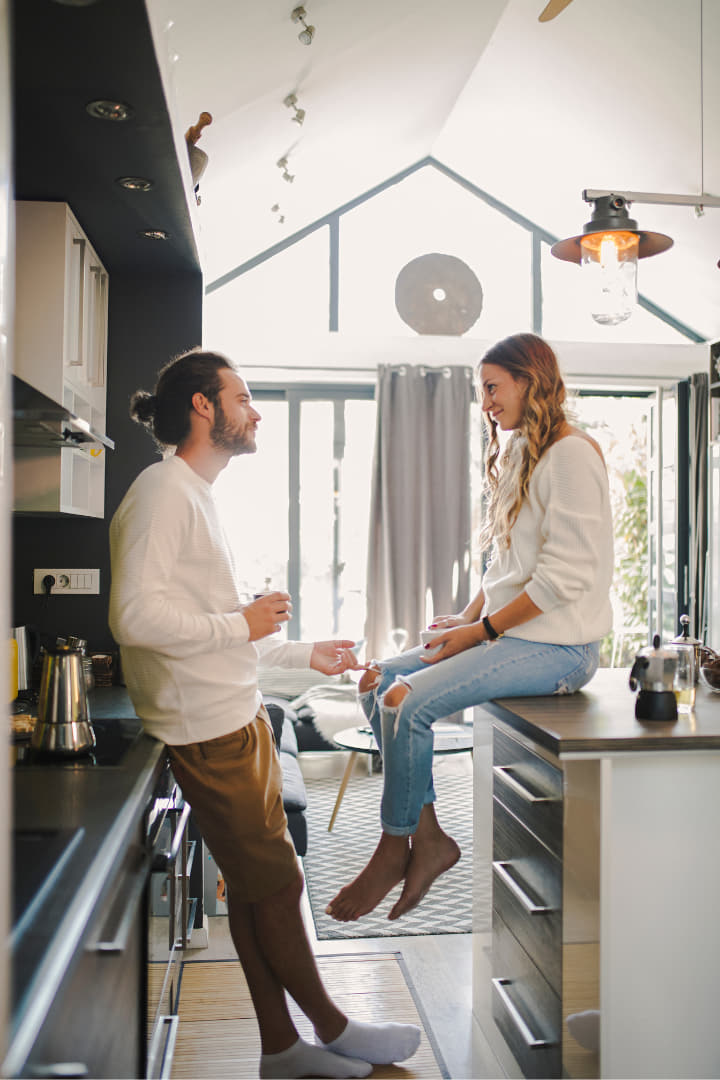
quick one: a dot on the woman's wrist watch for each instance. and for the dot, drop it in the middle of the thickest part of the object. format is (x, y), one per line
(490, 629)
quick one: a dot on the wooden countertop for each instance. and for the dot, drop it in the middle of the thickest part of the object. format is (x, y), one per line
(600, 718)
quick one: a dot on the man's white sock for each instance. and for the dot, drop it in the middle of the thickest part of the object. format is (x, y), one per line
(381, 1044)
(302, 1059)
(585, 1028)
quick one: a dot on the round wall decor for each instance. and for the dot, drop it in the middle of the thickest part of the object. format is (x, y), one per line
(438, 294)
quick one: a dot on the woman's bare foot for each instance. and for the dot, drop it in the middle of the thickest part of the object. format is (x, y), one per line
(433, 852)
(386, 868)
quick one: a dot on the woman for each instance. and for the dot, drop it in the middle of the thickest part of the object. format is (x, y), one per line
(534, 627)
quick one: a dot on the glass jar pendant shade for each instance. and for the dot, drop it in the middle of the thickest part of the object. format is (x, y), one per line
(609, 262)
(608, 251)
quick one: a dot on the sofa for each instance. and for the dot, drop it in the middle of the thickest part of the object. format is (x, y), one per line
(294, 794)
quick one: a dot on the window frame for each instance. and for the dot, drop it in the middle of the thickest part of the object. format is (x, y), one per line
(294, 395)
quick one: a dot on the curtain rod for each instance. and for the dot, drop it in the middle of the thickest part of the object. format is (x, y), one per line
(343, 370)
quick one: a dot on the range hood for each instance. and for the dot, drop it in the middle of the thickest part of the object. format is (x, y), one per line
(38, 421)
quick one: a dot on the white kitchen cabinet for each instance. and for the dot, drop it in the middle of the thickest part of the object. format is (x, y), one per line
(60, 350)
(61, 303)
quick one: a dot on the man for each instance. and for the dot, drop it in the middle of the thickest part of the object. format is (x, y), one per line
(189, 652)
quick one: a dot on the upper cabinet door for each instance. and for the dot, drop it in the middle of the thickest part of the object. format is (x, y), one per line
(62, 298)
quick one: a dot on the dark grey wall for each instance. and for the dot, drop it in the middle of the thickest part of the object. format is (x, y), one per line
(151, 319)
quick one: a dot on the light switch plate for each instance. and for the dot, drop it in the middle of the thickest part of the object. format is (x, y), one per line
(68, 582)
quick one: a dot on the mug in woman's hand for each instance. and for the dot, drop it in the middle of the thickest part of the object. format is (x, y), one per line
(426, 636)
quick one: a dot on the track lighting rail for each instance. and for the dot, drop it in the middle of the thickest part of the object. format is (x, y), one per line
(591, 194)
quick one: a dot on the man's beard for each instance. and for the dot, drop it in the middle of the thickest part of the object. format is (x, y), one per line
(226, 437)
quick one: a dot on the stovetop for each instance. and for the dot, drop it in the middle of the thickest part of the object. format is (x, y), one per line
(113, 740)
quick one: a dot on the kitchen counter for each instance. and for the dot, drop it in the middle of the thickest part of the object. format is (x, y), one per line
(640, 803)
(601, 718)
(73, 824)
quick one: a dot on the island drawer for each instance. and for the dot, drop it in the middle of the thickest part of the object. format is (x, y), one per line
(525, 1007)
(528, 890)
(530, 787)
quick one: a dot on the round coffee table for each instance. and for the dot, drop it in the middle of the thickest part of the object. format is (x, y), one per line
(448, 739)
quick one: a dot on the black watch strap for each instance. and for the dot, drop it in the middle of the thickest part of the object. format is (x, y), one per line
(490, 629)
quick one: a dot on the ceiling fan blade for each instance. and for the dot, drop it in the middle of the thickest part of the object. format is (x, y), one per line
(552, 9)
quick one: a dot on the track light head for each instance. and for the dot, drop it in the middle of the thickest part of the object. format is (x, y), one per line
(307, 33)
(291, 103)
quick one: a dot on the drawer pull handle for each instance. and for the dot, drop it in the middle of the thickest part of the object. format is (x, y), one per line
(134, 892)
(503, 773)
(525, 1033)
(164, 860)
(160, 1057)
(171, 1022)
(64, 1069)
(501, 869)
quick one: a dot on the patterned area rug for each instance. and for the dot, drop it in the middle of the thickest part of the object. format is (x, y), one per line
(335, 858)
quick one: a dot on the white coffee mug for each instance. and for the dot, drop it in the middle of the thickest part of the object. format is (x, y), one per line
(426, 636)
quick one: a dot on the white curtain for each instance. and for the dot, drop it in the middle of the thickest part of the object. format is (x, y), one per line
(419, 549)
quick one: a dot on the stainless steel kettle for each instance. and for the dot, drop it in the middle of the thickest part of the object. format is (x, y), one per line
(63, 724)
(653, 673)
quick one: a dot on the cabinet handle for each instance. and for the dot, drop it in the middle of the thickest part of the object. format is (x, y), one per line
(501, 869)
(118, 943)
(79, 242)
(170, 1024)
(503, 773)
(164, 859)
(62, 1069)
(525, 1033)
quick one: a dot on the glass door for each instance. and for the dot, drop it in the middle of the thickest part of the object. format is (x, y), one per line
(669, 525)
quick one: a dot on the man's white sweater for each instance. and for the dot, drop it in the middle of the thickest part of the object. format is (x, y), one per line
(189, 666)
(561, 549)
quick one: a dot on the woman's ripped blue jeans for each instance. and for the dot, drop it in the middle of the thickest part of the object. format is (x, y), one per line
(509, 667)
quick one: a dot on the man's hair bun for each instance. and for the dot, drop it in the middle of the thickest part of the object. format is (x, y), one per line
(143, 407)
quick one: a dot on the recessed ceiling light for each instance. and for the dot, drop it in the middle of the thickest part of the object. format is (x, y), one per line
(134, 183)
(109, 110)
(154, 234)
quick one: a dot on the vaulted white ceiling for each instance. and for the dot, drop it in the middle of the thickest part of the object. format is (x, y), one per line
(607, 95)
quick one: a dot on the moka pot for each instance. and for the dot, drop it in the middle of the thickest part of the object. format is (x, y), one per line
(63, 724)
(653, 673)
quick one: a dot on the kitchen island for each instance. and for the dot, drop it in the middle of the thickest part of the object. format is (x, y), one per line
(606, 878)
(78, 941)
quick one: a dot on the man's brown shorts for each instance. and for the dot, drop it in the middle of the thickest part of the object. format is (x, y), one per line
(234, 785)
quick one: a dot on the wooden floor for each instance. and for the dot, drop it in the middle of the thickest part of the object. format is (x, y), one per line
(217, 1034)
(436, 975)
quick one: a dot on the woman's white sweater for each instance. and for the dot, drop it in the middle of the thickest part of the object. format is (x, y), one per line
(175, 610)
(561, 549)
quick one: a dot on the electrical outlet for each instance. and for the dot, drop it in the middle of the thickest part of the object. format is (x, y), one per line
(67, 582)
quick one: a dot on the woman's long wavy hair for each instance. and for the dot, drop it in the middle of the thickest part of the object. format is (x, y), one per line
(529, 359)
